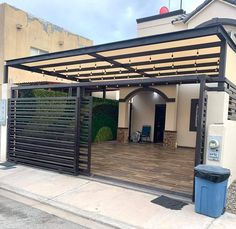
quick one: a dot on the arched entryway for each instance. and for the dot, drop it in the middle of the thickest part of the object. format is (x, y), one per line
(147, 109)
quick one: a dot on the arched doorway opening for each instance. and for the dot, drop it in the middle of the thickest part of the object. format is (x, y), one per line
(147, 109)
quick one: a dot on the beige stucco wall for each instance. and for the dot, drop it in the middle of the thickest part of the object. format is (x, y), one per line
(168, 90)
(215, 9)
(219, 125)
(227, 147)
(230, 68)
(114, 95)
(143, 112)
(185, 137)
(34, 33)
(159, 26)
(171, 91)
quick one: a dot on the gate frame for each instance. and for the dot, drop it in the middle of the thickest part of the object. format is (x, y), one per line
(79, 95)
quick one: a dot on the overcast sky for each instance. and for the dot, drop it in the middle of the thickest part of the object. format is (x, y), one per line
(100, 20)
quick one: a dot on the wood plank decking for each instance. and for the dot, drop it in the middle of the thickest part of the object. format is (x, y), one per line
(145, 164)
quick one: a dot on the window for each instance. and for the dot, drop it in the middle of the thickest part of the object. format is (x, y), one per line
(193, 115)
(35, 51)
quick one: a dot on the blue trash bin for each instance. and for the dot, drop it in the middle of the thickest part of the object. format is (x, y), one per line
(210, 189)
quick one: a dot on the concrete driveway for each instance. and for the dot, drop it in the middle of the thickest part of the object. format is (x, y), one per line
(111, 205)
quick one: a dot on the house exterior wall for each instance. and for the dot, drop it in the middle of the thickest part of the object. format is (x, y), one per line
(212, 11)
(165, 25)
(159, 26)
(219, 125)
(16, 42)
(230, 68)
(171, 91)
(143, 112)
(114, 95)
(185, 137)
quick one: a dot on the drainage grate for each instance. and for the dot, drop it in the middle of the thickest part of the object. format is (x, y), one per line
(170, 203)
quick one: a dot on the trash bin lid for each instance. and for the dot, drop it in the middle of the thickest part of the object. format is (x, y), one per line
(212, 173)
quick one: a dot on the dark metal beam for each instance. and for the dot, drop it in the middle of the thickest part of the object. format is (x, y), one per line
(224, 36)
(188, 79)
(119, 65)
(132, 55)
(40, 71)
(137, 64)
(222, 62)
(104, 93)
(180, 35)
(200, 125)
(207, 71)
(168, 50)
(153, 68)
(5, 78)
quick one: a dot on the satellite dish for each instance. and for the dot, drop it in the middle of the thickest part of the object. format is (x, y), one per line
(164, 10)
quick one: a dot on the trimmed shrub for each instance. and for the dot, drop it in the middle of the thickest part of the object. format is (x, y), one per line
(104, 134)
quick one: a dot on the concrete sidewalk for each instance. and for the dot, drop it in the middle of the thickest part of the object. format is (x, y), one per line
(107, 204)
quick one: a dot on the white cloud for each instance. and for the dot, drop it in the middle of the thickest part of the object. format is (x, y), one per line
(100, 20)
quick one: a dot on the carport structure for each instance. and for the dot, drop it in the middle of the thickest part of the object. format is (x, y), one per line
(196, 56)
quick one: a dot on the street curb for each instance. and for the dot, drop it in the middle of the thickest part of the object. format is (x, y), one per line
(76, 211)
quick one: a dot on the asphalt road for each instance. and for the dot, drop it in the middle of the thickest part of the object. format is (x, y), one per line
(15, 215)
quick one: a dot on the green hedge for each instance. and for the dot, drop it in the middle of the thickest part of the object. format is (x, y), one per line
(41, 93)
(105, 119)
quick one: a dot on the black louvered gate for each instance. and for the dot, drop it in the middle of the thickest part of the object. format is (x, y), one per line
(50, 133)
(85, 120)
(201, 125)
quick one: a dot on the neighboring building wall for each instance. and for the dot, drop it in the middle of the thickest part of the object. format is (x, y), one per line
(144, 111)
(20, 32)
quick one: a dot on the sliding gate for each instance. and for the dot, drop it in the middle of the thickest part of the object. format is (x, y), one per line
(52, 133)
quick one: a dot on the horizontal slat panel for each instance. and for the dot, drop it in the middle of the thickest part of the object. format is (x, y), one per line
(20, 130)
(44, 135)
(42, 132)
(40, 146)
(42, 164)
(68, 129)
(49, 156)
(43, 139)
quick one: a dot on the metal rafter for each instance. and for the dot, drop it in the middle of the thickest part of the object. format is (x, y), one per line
(207, 71)
(120, 65)
(42, 71)
(133, 55)
(142, 41)
(153, 68)
(137, 64)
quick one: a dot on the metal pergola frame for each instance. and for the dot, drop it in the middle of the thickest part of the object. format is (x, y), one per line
(147, 80)
(131, 68)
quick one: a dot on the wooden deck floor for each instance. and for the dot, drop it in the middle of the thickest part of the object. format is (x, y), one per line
(145, 164)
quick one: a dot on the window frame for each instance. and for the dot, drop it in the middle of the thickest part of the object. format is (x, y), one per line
(193, 115)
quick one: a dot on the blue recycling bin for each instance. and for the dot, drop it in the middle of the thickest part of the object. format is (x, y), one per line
(210, 189)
